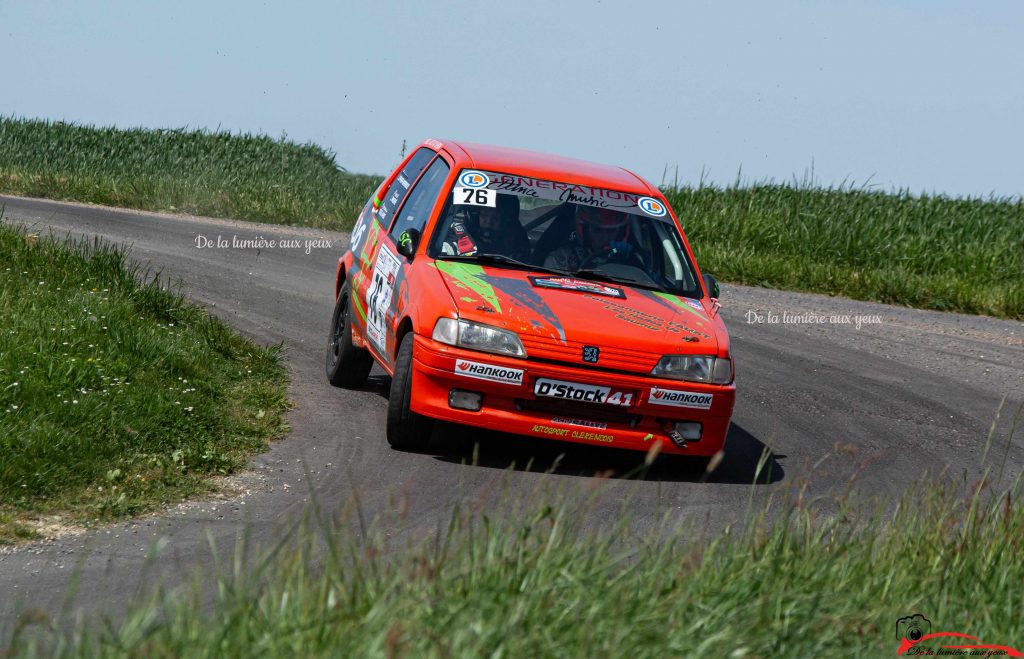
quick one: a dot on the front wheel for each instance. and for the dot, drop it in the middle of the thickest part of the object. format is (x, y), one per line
(407, 430)
(347, 365)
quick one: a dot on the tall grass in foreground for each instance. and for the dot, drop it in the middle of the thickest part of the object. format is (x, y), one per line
(249, 177)
(924, 251)
(116, 395)
(535, 579)
(802, 576)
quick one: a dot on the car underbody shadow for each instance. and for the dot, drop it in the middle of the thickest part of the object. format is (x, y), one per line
(378, 382)
(496, 450)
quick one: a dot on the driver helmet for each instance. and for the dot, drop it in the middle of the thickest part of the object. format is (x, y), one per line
(506, 212)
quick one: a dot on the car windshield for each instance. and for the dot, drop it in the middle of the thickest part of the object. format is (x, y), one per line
(576, 230)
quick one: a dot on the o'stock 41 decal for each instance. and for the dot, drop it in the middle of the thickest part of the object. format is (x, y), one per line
(378, 297)
(652, 206)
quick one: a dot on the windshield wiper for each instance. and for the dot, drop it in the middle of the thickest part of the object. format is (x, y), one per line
(600, 276)
(501, 259)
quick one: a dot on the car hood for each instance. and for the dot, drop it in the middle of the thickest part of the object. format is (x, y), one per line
(556, 317)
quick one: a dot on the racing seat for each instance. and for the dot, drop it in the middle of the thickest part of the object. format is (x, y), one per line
(558, 234)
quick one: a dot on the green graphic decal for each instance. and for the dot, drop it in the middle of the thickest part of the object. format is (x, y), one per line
(523, 293)
(372, 238)
(680, 304)
(467, 275)
(359, 308)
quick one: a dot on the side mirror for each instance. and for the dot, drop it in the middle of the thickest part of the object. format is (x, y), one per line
(712, 285)
(407, 242)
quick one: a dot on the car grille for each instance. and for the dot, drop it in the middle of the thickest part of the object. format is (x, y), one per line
(612, 358)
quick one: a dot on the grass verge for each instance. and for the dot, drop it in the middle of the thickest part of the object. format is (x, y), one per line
(931, 252)
(116, 395)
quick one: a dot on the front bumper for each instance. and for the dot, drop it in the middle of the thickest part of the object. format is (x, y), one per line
(509, 404)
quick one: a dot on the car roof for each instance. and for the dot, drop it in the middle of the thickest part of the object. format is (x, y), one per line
(543, 165)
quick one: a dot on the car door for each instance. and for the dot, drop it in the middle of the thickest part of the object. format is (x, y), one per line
(384, 299)
(367, 237)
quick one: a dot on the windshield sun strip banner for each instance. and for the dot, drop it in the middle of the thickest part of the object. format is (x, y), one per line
(584, 195)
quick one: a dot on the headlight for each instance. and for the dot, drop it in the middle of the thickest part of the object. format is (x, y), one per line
(477, 336)
(695, 368)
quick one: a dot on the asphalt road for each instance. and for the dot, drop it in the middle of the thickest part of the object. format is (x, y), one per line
(907, 393)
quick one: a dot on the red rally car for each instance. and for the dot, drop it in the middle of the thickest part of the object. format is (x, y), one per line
(535, 295)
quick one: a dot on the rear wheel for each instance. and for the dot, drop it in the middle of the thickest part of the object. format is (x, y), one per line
(347, 365)
(407, 430)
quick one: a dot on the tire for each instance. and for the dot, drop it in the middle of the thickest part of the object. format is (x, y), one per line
(347, 365)
(407, 430)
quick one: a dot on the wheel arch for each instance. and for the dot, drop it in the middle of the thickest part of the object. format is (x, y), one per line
(339, 279)
(404, 327)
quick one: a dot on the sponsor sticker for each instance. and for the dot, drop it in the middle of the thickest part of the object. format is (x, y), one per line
(693, 304)
(378, 297)
(473, 179)
(596, 425)
(542, 429)
(474, 197)
(581, 285)
(489, 372)
(583, 195)
(674, 398)
(586, 393)
(403, 181)
(652, 206)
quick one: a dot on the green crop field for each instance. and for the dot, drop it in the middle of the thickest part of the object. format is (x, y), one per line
(932, 252)
(924, 251)
(116, 395)
(190, 171)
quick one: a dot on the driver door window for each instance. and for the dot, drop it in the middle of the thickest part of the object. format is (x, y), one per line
(417, 207)
(399, 188)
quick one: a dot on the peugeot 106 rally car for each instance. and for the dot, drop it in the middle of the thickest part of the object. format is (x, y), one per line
(535, 295)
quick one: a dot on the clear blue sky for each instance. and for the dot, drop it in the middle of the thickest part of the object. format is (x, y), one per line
(919, 94)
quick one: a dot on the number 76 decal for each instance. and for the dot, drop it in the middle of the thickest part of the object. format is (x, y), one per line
(475, 197)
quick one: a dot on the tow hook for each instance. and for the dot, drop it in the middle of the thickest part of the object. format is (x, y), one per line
(674, 435)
